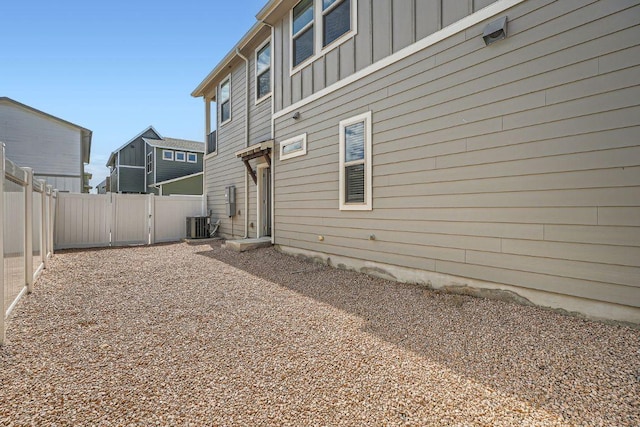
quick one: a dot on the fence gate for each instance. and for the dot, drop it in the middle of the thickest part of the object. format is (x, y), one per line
(94, 220)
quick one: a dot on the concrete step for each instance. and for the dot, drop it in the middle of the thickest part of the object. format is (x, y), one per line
(243, 245)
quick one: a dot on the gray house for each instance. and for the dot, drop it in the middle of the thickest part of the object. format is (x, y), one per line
(148, 159)
(473, 146)
(55, 149)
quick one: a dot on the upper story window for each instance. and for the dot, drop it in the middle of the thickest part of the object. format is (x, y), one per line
(263, 71)
(355, 163)
(180, 156)
(192, 158)
(150, 162)
(302, 31)
(317, 26)
(224, 100)
(167, 155)
(336, 20)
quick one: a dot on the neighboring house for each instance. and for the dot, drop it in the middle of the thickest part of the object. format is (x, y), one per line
(86, 187)
(413, 140)
(148, 158)
(189, 184)
(55, 149)
(105, 186)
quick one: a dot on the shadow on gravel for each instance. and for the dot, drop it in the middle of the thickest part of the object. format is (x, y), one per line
(553, 361)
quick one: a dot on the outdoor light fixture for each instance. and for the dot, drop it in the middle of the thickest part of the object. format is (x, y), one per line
(296, 115)
(495, 31)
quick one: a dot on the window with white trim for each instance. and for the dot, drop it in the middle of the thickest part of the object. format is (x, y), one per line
(150, 162)
(224, 100)
(167, 155)
(355, 163)
(180, 156)
(192, 158)
(302, 31)
(336, 20)
(293, 147)
(263, 71)
(318, 26)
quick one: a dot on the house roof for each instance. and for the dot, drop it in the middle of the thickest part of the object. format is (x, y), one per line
(112, 157)
(85, 134)
(274, 9)
(174, 143)
(180, 178)
(222, 69)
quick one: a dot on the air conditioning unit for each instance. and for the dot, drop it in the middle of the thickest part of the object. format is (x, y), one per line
(197, 227)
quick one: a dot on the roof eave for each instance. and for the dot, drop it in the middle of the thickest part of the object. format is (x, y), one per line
(221, 70)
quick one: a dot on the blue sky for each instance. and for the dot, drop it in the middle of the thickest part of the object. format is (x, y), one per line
(116, 67)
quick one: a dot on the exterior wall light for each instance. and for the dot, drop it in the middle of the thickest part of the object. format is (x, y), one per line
(495, 31)
(296, 115)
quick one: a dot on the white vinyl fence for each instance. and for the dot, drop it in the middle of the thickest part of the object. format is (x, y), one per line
(26, 235)
(94, 220)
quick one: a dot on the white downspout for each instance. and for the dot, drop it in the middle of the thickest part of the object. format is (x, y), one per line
(246, 137)
(273, 152)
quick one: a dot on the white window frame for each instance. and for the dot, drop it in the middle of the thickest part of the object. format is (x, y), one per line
(184, 156)
(319, 50)
(368, 187)
(296, 153)
(149, 162)
(270, 69)
(195, 158)
(168, 159)
(219, 102)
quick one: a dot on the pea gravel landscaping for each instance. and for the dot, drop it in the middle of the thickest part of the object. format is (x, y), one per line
(197, 335)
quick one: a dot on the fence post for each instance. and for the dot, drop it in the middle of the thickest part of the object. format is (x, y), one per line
(43, 224)
(52, 213)
(2, 284)
(28, 230)
(151, 219)
(49, 231)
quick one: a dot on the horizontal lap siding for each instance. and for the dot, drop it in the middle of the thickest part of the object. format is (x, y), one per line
(383, 28)
(517, 163)
(224, 169)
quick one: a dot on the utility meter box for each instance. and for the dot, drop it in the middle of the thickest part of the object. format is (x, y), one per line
(230, 200)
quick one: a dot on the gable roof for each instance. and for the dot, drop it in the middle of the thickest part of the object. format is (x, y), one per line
(175, 143)
(222, 69)
(85, 134)
(113, 153)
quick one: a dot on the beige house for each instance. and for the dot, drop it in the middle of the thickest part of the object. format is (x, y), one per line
(485, 146)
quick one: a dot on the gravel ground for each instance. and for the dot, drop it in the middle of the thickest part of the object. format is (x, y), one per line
(197, 335)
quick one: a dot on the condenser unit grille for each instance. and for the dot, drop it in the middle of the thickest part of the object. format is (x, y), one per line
(197, 227)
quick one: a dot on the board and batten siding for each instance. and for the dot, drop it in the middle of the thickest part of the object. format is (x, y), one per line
(516, 165)
(384, 27)
(224, 168)
(170, 169)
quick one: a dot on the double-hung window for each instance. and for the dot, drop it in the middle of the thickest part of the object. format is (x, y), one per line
(336, 20)
(263, 71)
(355, 163)
(317, 26)
(302, 31)
(224, 100)
(150, 162)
